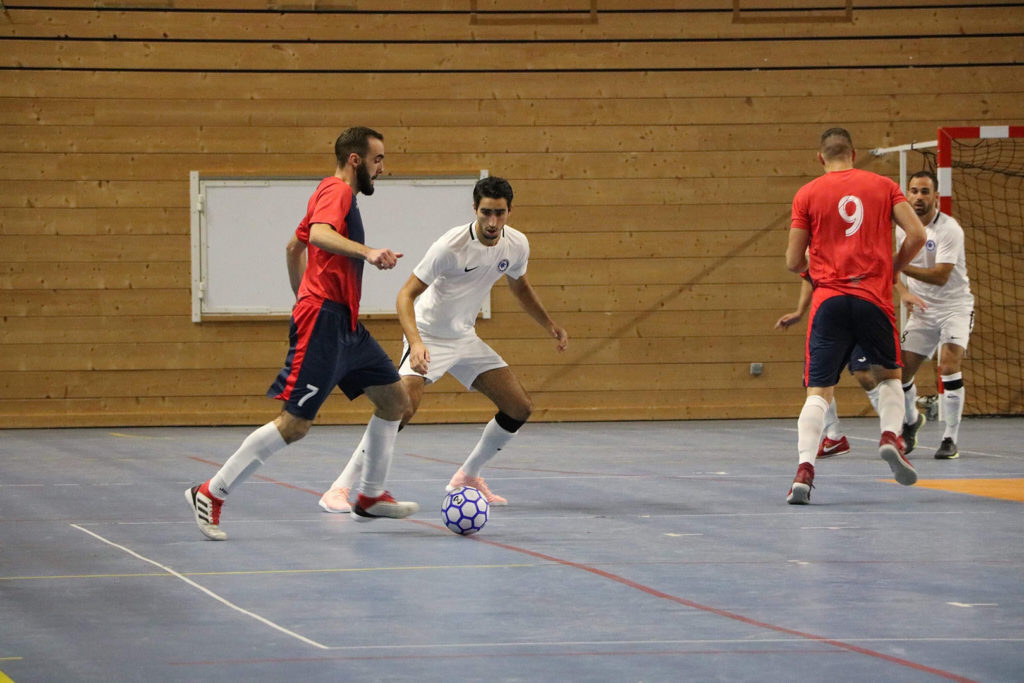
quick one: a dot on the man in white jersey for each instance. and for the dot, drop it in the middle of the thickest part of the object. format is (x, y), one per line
(938, 275)
(438, 307)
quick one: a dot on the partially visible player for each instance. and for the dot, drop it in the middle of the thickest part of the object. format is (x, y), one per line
(834, 442)
(438, 307)
(938, 276)
(841, 233)
(329, 346)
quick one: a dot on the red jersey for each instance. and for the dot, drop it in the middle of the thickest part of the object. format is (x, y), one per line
(849, 216)
(332, 276)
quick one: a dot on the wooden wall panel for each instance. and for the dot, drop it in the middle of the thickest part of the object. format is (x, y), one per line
(654, 154)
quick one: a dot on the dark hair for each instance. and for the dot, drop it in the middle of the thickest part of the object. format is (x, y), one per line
(492, 187)
(926, 174)
(836, 142)
(355, 139)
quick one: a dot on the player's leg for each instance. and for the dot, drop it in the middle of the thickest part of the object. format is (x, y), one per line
(835, 442)
(828, 347)
(876, 334)
(480, 368)
(514, 409)
(951, 358)
(920, 338)
(336, 498)
(390, 402)
(300, 386)
(860, 368)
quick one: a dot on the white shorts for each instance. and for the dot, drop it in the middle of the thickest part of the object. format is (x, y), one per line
(925, 331)
(466, 358)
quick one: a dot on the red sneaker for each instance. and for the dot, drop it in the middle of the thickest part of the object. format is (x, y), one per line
(893, 450)
(800, 491)
(830, 448)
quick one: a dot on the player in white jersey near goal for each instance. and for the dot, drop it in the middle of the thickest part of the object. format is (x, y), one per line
(438, 307)
(938, 276)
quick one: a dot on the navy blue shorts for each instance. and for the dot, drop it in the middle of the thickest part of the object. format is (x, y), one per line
(838, 325)
(326, 352)
(859, 360)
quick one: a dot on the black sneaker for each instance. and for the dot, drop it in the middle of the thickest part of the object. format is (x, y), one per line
(910, 433)
(947, 450)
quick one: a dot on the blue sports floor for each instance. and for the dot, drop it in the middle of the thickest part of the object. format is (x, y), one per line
(643, 551)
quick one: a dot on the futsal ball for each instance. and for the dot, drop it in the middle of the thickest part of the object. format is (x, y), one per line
(464, 510)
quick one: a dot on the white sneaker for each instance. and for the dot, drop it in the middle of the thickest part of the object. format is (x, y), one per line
(368, 509)
(206, 510)
(336, 500)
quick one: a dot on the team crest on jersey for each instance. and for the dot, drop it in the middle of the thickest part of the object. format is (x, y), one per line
(503, 265)
(930, 245)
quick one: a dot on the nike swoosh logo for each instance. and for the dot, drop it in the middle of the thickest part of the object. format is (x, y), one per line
(473, 268)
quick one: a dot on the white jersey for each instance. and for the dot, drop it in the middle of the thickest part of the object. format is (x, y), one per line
(944, 243)
(459, 272)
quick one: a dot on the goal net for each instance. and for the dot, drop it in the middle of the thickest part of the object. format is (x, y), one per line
(981, 184)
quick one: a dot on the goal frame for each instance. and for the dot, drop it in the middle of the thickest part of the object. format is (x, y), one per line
(944, 155)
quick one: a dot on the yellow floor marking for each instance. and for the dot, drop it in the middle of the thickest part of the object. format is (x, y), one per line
(3, 676)
(1004, 489)
(269, 571)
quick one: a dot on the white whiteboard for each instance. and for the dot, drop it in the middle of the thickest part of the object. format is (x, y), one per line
(240, 228)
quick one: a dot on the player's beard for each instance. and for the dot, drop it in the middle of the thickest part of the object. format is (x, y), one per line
(364, 183)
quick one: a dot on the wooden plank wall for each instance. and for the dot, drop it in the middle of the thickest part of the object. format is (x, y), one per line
(654, 148)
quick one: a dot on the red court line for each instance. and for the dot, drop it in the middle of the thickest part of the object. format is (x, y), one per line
(522, 469)
(257, 476)
(665, 596)
(719, 612)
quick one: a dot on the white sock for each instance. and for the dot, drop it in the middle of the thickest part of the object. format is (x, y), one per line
(909, 403)
(350, 475)
(491, 441)
(380, 445)
(873, 397)
(832, 429)
(253, 452)
(952, 405)
(809, 427)
(890, 405)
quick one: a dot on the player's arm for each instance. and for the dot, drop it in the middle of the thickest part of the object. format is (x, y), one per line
(909, 299)
(419, 356)
(937, 275)
(323, 236)
(796, 250)
(530, 303)
(905, 217)
(802, 304)
(295, 255)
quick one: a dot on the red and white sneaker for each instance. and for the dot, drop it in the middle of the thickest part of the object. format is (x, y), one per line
(830, 448)
(800, 491)
(892, 449)
(206, 509)
(462, 479)
(368, 509)
(336, 500)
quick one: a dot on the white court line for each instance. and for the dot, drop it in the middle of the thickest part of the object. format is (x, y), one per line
(213, 595)
(718, 641)
(697, 515)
